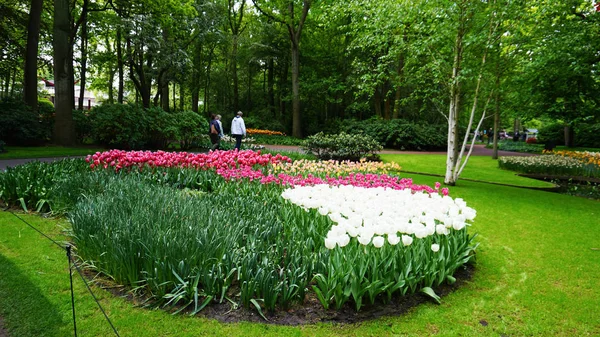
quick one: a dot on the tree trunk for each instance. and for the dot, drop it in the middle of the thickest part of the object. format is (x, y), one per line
(181, 95)
(377, 102)
(64, 131)
(207, 85)
(569, 136)
(111, 73)
(249, 99)
(296, 115)
(120, 65)
(196, 74)
(234, 73)
(455, 93)
(31, 54)
(84, 45)
(270, 86)
(280, 93)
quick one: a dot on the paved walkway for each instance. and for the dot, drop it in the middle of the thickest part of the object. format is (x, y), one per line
(479, 150)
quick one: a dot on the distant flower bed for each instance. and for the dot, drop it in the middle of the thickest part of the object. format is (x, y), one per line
(264, 132)
(560, 163)
(527, 147)
(229, 139)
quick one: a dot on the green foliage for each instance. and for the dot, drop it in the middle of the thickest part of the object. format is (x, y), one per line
(19, 125)
(46, 115)
(509, 145)
(277, 140)
(162, 128)
(341, 146)
(587, 135)
(119, 126)
(128, 126)
(190, 127)
(83, 125)
(398, 133)
(552, 132)
(31, 185)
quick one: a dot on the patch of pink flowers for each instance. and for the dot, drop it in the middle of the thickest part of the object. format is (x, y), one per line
(236, 165)
(354, 179)
(216, 160)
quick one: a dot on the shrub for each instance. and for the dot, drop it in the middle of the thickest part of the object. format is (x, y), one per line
(2, 144)
(119, 125)
(588, 135)
(397, 133)
(19, 125)
(162, 128)
(190, 127)
(553, 132)
(341, 146)
(509, 145)
(46, 115)
(83, 125)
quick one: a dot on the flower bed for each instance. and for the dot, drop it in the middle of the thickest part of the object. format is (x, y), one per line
(560, 163)
(189, 230)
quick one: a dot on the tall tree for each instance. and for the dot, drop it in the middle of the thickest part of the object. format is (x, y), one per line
(64, 130)
(33, 36)
(287, 14)
(235, 16)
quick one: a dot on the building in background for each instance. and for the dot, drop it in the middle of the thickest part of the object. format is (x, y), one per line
(89, 99)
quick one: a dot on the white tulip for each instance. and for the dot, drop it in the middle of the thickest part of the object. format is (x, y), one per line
(393, 239)
(343, 240)
(407, 240)
(435, 247)
(330, 243)
(364, 240)
(378, 241)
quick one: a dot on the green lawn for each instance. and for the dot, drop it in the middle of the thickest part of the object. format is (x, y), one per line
(479, 168)
(537, 272)
(14, 152)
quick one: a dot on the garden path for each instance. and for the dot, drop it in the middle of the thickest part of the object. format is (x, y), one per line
(479, 150)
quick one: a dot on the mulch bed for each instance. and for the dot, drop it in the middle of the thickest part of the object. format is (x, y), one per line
(311, 311)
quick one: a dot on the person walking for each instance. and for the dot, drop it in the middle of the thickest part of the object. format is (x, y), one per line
(220, 126)
(214, 131)
(238, 129)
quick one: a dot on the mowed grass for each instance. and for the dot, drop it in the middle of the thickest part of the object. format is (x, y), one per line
(479, 168)
(17, 152)
(537, 271)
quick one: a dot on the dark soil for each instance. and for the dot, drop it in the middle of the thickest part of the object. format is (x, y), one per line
(311, 311)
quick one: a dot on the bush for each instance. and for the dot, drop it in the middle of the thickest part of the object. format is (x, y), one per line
(19, 125)
(46, 115)
(397, 133)
(83, 125)
(553, 132)
(121, 126)
(342, 146)
(2, 144)
(509, 145)
(587, 135)
(190, 127)
(162, 128)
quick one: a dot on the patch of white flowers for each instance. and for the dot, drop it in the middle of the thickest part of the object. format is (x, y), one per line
(372, 215)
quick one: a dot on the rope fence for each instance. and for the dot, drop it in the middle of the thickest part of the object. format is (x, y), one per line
(72, 265)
